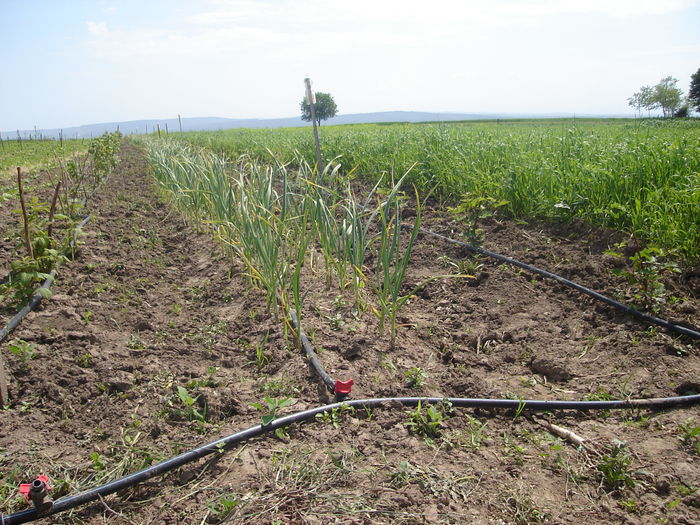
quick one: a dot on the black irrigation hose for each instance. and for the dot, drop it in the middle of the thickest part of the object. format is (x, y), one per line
(341, 389)
(595, 295)
(33, 302)
(313, 357)
(37, 297)
(125, 482)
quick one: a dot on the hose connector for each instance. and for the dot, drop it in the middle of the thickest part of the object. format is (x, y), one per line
(342, 389)
(38, 493)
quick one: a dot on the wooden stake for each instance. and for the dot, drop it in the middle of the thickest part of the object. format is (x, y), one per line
(52, 211)
(27, 239)
(311, 100)
(4, 384)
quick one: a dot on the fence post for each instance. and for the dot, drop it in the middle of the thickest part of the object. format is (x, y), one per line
(311, 100)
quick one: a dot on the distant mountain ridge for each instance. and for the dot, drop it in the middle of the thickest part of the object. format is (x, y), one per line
(218, 123)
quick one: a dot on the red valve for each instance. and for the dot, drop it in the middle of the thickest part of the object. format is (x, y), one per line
(343, 387)
(24, 488)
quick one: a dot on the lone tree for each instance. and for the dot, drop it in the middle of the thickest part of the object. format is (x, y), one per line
(665, 95)
(694, 93)
(668, 96)
(325, 108)
(643, 99)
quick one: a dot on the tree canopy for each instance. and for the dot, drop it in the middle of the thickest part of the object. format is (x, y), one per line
(324, 108)
(694, 93)
(665, 96)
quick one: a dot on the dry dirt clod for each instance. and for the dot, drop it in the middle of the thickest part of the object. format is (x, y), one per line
(551, 369)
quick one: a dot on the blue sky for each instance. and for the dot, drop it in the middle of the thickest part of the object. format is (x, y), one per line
(75, 62)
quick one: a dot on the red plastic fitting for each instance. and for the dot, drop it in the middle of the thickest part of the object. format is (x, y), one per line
(38, 493)
(343, 387)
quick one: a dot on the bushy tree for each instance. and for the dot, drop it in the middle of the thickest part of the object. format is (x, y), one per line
(665, 95)
(694, 93)
(324, 108)
(643, 99)
(668, 96)
(682, 112)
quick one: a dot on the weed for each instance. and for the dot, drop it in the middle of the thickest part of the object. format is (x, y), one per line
(686, 490)
(523, 509)
(472, 437)
(464, 266)
(630, 505)
(24, 350)
(415, 377)
(690, 435)
(261, 359)
(84, 360)
(645, 277)
(426, 423)
(272, 406)
(471, 209)
(402, 475)
(221, 507)
(614, 467)
(189, 410)
(134, 342)
(521, 407)
(513, 450)
(335, 415)
(208, 381)
(283, 387)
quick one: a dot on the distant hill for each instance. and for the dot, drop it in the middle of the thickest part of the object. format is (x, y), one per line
(216, 123)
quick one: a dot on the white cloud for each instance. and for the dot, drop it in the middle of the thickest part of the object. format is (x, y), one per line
(98, 29)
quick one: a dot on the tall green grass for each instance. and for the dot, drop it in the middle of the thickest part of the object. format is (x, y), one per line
(36, 154)
(638, 176)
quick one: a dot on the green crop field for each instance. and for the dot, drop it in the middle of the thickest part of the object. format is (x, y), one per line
(35, 154)
(639, 176)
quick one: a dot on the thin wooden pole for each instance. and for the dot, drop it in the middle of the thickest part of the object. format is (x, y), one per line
(27, 239)
(311, 100)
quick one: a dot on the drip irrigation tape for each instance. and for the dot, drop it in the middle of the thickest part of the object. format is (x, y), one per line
(313, 357)
(591, 293)
(125, 482)
(37, 297)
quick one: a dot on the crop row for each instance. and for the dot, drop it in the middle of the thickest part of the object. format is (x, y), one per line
(642, 177)
(275, 221)
(50, 212)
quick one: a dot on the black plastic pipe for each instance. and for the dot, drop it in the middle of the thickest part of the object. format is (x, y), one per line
(33, 302)
(125, 482)
(37, 297)
(595, 295)
(311, 354)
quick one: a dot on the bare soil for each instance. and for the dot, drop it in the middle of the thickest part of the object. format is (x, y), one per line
(152, 302)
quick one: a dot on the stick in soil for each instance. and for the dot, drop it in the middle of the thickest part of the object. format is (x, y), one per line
(24, 213)
(566, 435)
(4, 384)
(49, 229)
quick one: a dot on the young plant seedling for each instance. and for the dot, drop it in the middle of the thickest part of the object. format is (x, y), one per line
(189, 410)
(415, 377)
(272, 406)
(427, 423)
